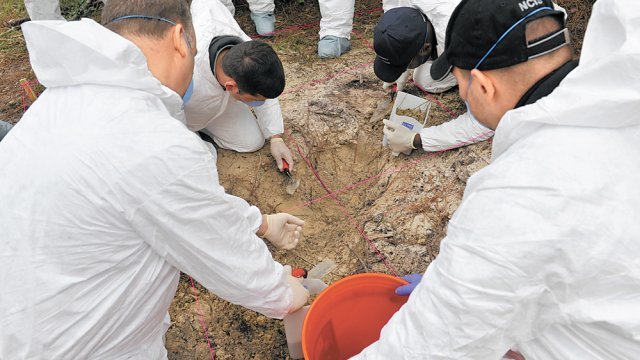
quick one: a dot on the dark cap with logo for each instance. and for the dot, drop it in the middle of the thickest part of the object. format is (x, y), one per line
(476, 26)
(397, 38)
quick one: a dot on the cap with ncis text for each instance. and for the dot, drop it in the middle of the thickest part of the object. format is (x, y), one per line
(397, 38)
(490, 34)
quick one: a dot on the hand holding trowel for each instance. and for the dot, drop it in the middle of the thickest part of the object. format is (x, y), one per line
(291, 182)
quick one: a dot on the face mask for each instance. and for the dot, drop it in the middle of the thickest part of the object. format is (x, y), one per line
(255, 103)
(188, 93)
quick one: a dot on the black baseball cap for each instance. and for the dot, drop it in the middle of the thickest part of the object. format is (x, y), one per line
(397, 38)
(476, 25)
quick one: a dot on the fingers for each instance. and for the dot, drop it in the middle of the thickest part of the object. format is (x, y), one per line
(279, 162)
(388, 124)
(288, 158)
(404, 290)
(294, 220)
(287, 269)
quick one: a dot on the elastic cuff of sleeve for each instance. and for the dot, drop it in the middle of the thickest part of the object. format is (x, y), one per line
(266, 233)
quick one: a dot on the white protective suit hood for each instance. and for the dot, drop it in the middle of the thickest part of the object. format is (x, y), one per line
(609, 62)
(116, 62)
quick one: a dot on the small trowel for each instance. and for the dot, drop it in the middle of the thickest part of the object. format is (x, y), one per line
(291, 182)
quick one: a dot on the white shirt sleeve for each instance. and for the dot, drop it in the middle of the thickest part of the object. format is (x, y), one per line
(461, 131)
(210, 235)
(269, 118)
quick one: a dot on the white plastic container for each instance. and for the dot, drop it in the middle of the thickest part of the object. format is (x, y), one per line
(293, 331)
(408, 101)
(293, 322)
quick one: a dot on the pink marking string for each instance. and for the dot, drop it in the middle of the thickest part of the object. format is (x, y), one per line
(204, 325)
(340, 205)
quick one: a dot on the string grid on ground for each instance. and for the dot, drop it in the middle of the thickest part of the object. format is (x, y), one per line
(202, 322)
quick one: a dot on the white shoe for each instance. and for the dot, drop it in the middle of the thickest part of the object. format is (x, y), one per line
(265, 23)
(332, 46)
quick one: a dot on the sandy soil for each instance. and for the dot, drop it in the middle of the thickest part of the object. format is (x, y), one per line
(399, 205)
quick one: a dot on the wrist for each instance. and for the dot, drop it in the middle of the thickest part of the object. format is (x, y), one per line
(276, 138)
(263, 230)
(417, 141)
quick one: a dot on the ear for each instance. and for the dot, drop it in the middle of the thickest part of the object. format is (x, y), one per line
(231, 86)
(179, 39)
(484, 82)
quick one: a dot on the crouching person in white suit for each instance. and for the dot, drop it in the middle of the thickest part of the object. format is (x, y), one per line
(541, 257)
(107, 196)
(232, 76)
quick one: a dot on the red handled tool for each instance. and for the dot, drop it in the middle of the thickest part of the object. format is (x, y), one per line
(292, 183)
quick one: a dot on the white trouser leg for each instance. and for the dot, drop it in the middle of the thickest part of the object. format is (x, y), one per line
(236, 129)
(261, 6)
(422, 77)
(337, 18)
(229, 5)
(43, 9)
(392, 4)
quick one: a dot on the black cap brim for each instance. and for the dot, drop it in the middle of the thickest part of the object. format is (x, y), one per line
(387, 72)
(440, 67)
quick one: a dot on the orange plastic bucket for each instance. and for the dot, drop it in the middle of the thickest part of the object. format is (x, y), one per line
(348, 316)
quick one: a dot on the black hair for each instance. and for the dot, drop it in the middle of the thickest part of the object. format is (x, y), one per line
(256, 68)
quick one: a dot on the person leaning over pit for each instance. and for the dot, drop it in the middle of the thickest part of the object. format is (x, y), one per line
(233, 75)
(410, 35)
(542, 255)
(107, 196)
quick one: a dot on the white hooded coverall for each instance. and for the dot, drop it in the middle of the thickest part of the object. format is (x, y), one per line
(230, 122)
(542, 254)
(106, 196)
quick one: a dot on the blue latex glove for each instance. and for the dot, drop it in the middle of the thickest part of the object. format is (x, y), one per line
(413, 279)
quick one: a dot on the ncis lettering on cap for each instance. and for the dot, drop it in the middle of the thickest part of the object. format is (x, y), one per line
(529, 4)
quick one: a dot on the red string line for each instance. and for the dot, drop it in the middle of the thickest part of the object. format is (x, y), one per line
(204, 325)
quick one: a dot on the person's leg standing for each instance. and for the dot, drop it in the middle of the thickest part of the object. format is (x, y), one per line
(262, 16)
(335, 27)
(43, 9)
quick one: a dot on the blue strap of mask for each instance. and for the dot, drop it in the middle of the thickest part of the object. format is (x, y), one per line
(148, 17)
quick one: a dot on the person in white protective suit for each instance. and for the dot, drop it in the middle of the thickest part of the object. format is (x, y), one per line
(410, 37)
(45, 9)
(261, 14)
(542, 254)
(232, 75)
(106, 196)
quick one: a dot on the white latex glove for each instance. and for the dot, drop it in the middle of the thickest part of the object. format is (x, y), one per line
(280, 151)
(300, 294)
(401, 81)
(399, 138)
(283, 230)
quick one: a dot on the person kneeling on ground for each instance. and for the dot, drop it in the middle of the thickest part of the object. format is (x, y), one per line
(541, 257)
(411, 37)
(232, 76)
(107, 196)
